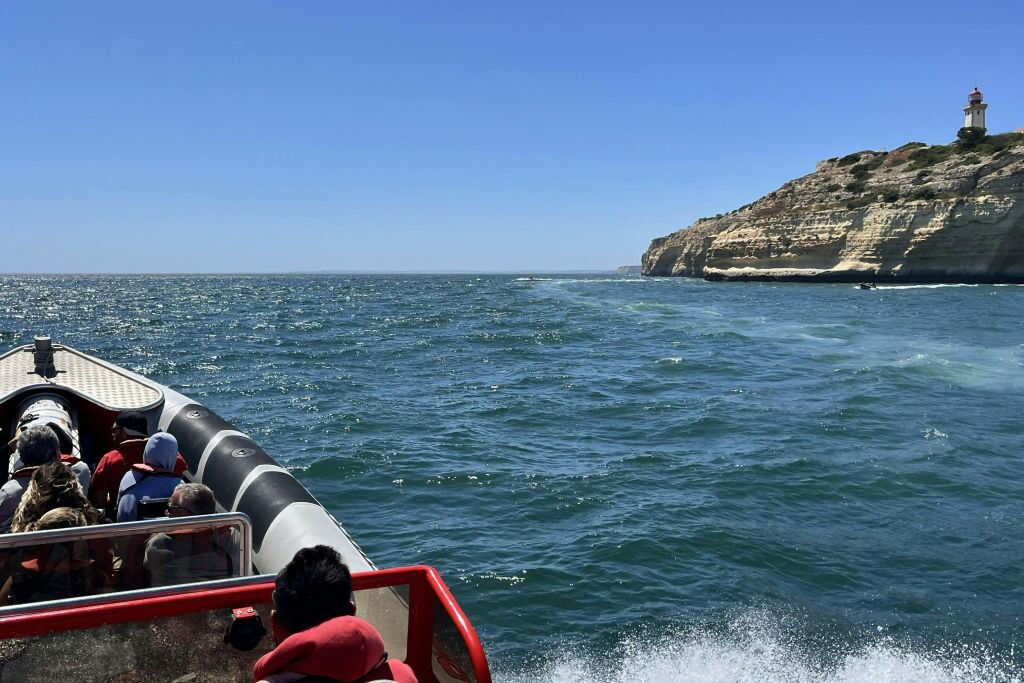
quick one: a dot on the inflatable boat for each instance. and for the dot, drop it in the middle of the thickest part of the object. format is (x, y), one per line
(131, 626)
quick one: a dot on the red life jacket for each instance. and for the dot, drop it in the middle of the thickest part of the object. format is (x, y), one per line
(27, 472)
(148, 471)
(345, 649)
(24, 473)
(52, 573)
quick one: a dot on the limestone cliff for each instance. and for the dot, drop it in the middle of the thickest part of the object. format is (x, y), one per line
(950, 213)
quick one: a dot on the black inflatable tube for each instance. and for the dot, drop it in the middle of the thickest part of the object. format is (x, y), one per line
(229, 463)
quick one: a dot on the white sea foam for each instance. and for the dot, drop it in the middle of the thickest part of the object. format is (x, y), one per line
(761, 655)
(560, 280)
(931, 286)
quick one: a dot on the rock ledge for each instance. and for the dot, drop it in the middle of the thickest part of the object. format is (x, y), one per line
(944, 213)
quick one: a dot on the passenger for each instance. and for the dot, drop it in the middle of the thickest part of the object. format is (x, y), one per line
(153, 478)
(53, 485)
(37, 445)
(60, 518)
(191, 555)
(54, 571)
(319, 638)
(129, 433)
(62, 428)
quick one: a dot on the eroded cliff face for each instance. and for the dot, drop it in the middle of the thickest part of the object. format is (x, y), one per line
(917, 214)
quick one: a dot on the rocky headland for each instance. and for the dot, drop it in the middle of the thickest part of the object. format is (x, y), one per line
(940, 213)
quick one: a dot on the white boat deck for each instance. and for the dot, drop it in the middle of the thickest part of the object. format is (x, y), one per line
(79, 374)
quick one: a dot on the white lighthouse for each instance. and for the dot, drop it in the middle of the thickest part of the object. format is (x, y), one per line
(974, 112)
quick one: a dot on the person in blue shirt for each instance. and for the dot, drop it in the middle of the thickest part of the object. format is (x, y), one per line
(153, 478)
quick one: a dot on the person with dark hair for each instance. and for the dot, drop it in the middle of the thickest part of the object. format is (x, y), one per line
(37, 445)
(129, 434)
(319, 637)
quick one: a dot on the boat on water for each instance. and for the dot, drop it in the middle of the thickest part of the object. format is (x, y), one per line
(132, 627)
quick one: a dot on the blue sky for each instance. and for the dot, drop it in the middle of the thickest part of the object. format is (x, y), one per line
(273, 136)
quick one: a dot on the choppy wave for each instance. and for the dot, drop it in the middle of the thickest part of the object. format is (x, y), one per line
(577, 456)
(756, 651)
(928, 286)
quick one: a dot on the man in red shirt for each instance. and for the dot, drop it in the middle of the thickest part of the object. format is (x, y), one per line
(129, 433)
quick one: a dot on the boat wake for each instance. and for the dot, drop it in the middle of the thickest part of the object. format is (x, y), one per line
(763, 656)
(943, 285)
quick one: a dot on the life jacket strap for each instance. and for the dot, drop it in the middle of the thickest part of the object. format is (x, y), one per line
(24, 472)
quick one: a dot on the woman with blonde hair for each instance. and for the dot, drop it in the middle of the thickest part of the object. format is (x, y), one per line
(53, 485)
(52, 572)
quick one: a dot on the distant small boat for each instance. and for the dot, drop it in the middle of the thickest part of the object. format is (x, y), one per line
(867, 285)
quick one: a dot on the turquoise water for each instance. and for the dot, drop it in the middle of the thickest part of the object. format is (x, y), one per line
(628, 479)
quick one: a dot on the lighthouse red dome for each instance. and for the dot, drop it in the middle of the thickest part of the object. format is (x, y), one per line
(975, 95)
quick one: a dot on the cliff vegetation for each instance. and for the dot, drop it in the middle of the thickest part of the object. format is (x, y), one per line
(918, 213)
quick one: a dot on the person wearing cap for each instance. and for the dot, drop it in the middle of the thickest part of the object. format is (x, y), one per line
(37, 445)
(319, 637)
(154, 477)
(129, 435)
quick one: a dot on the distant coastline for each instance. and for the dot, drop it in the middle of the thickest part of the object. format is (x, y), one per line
(916, 214)
(317, 272)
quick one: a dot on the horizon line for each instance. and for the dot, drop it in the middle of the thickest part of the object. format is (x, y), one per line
(524, 271)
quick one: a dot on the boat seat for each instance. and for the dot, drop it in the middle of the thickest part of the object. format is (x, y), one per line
(151, 508)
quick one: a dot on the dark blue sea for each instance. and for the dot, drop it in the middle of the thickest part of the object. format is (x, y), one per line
(627, 479)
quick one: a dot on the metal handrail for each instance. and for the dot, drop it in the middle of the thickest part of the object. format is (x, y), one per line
(148, 526)
(240, 582)
(425, 584)
(119, 529)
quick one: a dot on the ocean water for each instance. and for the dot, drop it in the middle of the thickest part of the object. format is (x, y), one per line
(628, 479)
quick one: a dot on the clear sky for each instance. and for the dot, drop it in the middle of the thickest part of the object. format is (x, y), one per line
(274, 136)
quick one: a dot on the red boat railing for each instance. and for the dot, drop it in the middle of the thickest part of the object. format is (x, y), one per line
(430, 604)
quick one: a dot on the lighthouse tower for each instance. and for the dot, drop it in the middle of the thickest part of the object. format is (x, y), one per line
(974, 112)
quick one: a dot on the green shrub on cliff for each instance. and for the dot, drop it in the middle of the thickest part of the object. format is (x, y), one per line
(929, 156)
(833, 187)
(968, 138)
(993, 144)
(890, 194)
(856, 187)
(860, 172)
(858, 203)
(924, 193)
(876, 161)
(850, 159)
